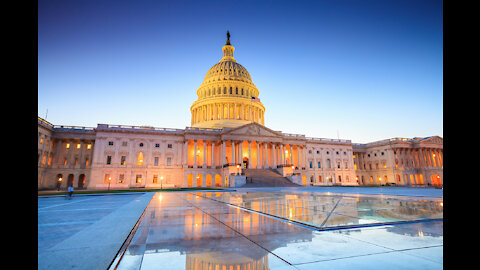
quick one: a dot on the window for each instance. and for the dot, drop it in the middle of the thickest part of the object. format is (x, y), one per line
(319, 165)
(169, 161)
(318, 152)
(107, 178)
(155, 178)
(138, 178)
(382, 153)
(140, 159)
(157, 145)
(376, 165)
(311, 164)
(338, 164)
(89, 146)
(329, 164)
(346, 165)
(86, 162)
(44, 159)
(155, 161)
(309, 151)
(368, 155)
(122, 160)
(337, 152)
(76, 161)
(169, 145)
(141, 144)
(344, 153)
(328, 152)
(78, 146)
(41, 140)
(384, 165)
(339, 178)
(67, 146)
(110, 143)
(124, 143)
(121, 178)
(109, 160)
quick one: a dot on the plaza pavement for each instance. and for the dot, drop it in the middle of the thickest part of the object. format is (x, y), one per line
(88, 231)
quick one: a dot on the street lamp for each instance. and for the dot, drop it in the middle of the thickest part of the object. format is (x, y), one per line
(238, 169)
(109, 180)
(161, 182)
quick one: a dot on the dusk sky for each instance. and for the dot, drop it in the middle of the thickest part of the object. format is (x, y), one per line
(361, 70)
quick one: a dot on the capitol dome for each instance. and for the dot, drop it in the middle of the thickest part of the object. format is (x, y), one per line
(227, 97)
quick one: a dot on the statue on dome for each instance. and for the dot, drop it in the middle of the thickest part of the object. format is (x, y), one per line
(228, 38)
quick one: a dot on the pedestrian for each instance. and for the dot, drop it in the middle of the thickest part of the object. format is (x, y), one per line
(70, 192)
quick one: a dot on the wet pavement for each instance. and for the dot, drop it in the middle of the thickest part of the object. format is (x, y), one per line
(286, 229)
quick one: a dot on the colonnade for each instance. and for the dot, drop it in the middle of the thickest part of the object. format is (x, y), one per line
(260, 154)
(420, 157)
(230, 110)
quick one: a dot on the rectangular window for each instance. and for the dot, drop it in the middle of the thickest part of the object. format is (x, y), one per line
(76, 161)
(121, 178)
(311, 164)
(155, 178)
(89, 146)
(155, 161)
(110, 143)
(169, 145)
(67, 146)
(109, 160)
(124, 143)
(346, 165)
(122, 160)
(157, 145)
(169, 161)
(138, 178)
(50, 160)
(319, 165)
(44, 159)
(78, 146)
(65, 162)
(41, 140)
(86, 162)
(338, 165)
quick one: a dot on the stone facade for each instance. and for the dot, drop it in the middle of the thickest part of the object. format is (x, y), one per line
(227, 136)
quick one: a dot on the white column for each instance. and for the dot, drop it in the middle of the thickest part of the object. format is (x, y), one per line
(195, 155)
(266, 156)
(204, 154)
(233, 152)
(223, 154)
(241, 154)
(298, 157)
(274, 156)
(249, 154)
(258, 156)
(213, 156)
(186, 153)
(304, 151)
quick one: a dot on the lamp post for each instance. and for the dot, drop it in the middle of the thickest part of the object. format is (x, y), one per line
(109, 180)
(161, 182)
(238, 169)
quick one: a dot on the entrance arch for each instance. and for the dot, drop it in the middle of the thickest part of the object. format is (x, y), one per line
(245, 162)
(189, 180)
(209, 180)
(199, 180)
(81, 180)
(304, 180)
(70, 180)
(436, 180)
(218, 180)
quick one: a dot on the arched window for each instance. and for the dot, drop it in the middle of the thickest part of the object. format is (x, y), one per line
(230, 90)
(140, 159)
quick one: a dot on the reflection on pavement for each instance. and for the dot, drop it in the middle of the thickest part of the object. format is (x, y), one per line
(204, 230)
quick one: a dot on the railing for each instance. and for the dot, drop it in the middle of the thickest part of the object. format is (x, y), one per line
(143, 128)
(327, 140)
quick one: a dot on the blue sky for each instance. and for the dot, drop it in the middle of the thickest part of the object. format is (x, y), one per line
(361, 70)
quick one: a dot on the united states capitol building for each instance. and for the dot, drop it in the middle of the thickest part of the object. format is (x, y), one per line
(227, 145)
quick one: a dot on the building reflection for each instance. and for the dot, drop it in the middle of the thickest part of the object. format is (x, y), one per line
(213, 235)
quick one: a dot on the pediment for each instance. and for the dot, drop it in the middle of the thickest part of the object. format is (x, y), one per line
(434, 139)
(253, 129)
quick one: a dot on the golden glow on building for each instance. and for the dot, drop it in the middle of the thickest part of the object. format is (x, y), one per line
(227, 97)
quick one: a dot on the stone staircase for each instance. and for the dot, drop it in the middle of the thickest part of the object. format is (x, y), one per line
(266, 178)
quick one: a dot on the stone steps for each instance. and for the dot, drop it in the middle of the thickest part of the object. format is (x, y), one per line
(266, 178)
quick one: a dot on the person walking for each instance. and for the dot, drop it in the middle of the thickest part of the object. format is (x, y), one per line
(70, 192)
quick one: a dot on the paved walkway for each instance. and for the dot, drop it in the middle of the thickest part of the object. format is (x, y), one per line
(86, 232)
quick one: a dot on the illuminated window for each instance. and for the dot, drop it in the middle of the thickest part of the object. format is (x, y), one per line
(67, 146)
(76, 161)
(65, 162)
(122, 160)
(78, 146)
(121, 178)
(89, 146)
(44, 159)
(138, 178)
(140, 159)
(155, 178)
(41, 140)
(86, 162)
(384, 165)
(50, 160)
